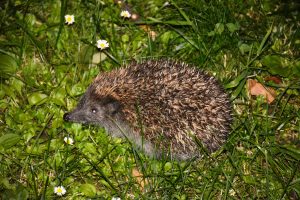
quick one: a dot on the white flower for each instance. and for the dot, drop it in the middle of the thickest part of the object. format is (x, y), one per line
(125, 13)
(69, 140)
(60, 190)
(231, 192)
(166, 4)
(116, 198)
(102, 44)
(69, 19)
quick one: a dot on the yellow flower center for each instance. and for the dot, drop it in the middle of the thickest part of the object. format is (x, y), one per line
(59, 190)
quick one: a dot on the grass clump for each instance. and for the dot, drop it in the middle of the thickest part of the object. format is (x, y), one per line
(46, 65)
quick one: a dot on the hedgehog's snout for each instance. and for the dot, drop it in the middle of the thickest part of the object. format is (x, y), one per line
(67, 117)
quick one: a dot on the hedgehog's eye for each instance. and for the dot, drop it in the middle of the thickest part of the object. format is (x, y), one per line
(94, 110)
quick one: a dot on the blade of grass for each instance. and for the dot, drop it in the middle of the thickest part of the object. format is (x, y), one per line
(33, 180)
(95, 167)
(153, 21)
(263, 42)
(62, 16)
(34, 41)
(290, 180)
(184, 15)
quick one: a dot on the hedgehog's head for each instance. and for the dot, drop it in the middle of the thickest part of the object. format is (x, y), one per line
(94, 109)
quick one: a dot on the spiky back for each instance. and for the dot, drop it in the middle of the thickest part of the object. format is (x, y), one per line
(172, 100)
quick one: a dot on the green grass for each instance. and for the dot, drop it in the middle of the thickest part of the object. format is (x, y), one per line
(46, 65)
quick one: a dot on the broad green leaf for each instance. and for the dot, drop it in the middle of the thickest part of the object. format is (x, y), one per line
(2, 91)
(38, 149)
(232, 27)
(30, 19)
(21, 193)
(244, 48)
(249, 179)
(57, 122)
(168, 166)
(77, 89)
(166, 37)
(125, 38)
(4, 182)
(296, 69)
(238, 90)
(89, 148)
(277, 65)
(105, 183)
(88, 190)
(211, 33)
(20, 116)
(30, 133)
(8, 66)
(219, 28)
(237, 80)
(17, 84)
(55, 161)
(9, 140)
(37, 98)
(76, 128)
(59, 96)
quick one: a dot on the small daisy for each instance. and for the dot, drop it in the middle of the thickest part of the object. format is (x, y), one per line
(69, 140)
(232, 192)
(125, 14)
(166, 4)
(69, 19)
(60, 190)
(102, 44)
(116, 198)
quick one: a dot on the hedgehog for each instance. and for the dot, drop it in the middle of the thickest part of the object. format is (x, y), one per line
(165, 108)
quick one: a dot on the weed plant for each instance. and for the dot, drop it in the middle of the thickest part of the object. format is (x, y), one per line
(46, 65)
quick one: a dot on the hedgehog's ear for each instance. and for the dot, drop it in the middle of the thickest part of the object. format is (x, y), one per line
(108, 100)
(113, 105)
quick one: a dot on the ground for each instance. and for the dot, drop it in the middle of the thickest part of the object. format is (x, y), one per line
(48, 60)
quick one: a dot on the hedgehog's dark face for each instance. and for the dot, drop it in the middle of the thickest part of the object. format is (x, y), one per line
(93, 110)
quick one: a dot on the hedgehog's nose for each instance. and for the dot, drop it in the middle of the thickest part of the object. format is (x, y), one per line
(66, 117)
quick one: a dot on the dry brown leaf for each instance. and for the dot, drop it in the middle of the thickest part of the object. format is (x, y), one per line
(139, 178)
(275, 79)
(255, 88)
(147, 29)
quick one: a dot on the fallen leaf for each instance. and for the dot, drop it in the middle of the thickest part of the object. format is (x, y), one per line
(139, 177)
(148, 30)
(255, 88)
(275, 79)
(145, 28)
